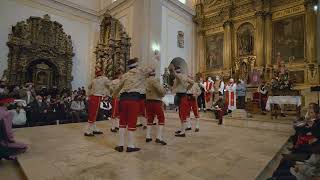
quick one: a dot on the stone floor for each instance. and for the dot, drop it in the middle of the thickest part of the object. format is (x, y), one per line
(216, 152)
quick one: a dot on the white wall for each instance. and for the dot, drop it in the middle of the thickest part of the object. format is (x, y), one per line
(173, 21)
(83, 32)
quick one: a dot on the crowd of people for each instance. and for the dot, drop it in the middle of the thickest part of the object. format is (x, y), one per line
(303, 161)
(46, 106)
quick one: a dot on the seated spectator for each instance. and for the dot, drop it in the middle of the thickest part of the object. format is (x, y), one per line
(105, 108)
(307, 169)
(8, 146)
(19, 115)
(78, 108)
(39, 110)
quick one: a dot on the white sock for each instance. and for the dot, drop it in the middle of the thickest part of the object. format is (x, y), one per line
(188, 122)
(160, 132)
(131, 139)
(143, 121)
(113, 123)
(121, 136)
(89, 129)
(94, 127)
(148, 131)
(117, 121)
(183, 127)
(197, 123)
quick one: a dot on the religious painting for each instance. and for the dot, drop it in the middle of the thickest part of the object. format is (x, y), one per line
(180, 39)
(288, 39)
(214, 51)
(245, 39)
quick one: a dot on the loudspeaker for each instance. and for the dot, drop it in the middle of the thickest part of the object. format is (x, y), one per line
(315, 89)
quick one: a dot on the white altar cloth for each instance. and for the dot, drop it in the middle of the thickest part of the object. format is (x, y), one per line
(295, 100)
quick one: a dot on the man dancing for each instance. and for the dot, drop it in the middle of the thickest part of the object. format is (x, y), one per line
(154, 107)
(130, 89)
(193, 94)
(98, 89)
(209, 89)
(181, 85)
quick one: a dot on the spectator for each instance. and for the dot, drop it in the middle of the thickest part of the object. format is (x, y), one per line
(83, 91)
(78, 108)
(39, 109)
(263, 92)
(241, 92)
(105, 108)
(219, 109)
(19, 115)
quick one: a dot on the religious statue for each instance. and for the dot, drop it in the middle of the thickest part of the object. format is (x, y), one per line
(180, 39)
(255, 77)
(166, 77)
(281, 80)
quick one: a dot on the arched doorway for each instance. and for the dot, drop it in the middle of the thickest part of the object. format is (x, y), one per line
(179, 62)
(43, 73)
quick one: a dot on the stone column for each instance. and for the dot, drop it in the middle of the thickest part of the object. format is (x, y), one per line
(260, 39)
(311, 30)
(268, 39)
(227, 43)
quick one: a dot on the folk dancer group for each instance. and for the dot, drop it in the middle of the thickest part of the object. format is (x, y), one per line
(139, 93)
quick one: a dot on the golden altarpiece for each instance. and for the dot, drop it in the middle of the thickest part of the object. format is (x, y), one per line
(240, 37)
(113, 49)
(39, 52)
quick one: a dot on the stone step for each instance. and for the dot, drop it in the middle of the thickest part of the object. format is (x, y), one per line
(259, 122)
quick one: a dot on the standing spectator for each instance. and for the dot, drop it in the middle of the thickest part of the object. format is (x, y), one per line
(27, 93)
(263, 92)
(201, 100)
(241, 92)
(77, 108)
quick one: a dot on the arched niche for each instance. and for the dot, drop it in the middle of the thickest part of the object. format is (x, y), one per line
(180, 62)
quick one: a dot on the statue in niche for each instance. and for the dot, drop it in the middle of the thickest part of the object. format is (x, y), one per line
(246, 39)
(180, 39)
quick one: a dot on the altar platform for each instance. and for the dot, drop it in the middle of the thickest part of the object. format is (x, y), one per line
(61, 152)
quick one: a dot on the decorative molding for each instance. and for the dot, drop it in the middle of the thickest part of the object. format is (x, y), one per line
(177, 4)
(288, 12)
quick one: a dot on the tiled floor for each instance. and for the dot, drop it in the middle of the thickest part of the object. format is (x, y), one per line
(216, 152)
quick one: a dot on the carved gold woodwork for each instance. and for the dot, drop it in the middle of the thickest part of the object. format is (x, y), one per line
(39, 40)
(212, 16)
(113, 49)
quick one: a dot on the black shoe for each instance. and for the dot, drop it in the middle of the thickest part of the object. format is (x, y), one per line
(139, 125)
(188, 129)
(117, 128)
(154, 124)
(197, 130)
(160, 142)
(88, 134)
(282, 115)
(129, 149)
(97, 132)
(119, 148)
(177, 132)
(144, 127)
(114, 130)
(148, 139)
(180, 135)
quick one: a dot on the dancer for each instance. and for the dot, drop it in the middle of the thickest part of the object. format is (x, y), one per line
(193, 94)
(98, 88)
(130, 89)
(115, 105)
(218, 88)
(181, 85)
(154, 107)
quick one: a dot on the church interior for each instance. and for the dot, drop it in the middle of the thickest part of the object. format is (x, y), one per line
(239, 79)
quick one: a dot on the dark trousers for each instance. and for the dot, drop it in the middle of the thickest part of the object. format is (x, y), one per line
(201, 101)
(241, 102)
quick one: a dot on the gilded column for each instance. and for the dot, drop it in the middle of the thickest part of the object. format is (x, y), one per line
(268, 39)
(311, 29)
(260, 39)
(227, 43)
(201, 54)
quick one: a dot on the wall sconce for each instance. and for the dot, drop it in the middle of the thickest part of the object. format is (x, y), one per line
(315, 8)
(156, 49)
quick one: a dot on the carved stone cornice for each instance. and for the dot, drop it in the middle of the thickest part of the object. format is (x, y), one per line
(260, 13)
